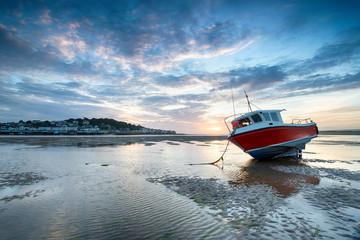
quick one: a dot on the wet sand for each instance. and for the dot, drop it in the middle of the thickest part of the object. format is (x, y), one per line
(254, 202)
(316, 197)
(108, 140)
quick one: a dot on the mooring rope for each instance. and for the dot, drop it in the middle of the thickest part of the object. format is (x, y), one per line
(217, 162)
(227, 145)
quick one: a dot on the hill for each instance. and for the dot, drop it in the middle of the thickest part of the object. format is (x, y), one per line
(78, 126)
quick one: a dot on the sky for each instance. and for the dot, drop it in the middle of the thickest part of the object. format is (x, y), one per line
(175, 65)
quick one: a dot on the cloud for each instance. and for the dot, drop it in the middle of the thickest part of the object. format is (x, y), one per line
(189, 107)
(150, 35)
(177, 81)
(45, 17)
(12, 45)
(330, 56)
(221, 35)
(70, 46)
(31, 99)
(55, 92)
(320, 83)
(344, 51)
(17, 54)
(253, 78)
(31, 110)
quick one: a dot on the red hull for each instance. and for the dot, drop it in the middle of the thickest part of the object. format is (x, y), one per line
(273, 135)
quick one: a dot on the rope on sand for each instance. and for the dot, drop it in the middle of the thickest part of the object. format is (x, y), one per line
(219, 163)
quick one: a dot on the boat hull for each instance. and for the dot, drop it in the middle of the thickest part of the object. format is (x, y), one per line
(275, 141)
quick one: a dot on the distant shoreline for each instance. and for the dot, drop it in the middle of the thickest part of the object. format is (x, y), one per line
(340, 132)
(7, 133)
(34, 134)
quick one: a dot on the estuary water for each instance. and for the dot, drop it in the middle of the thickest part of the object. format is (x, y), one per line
(160, 187)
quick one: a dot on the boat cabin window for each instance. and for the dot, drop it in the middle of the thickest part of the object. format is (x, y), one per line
(256, 118)
(267, 117)
(274, 116)
(246, 122)
(241, 123)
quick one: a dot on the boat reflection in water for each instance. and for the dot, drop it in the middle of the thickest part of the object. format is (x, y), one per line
(284, 175)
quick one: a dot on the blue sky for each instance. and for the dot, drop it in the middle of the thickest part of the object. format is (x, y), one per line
(171, 64)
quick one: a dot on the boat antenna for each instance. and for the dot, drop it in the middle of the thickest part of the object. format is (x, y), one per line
(247, 98)
(232, 96)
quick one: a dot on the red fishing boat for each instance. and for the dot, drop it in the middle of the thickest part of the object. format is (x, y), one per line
(263, 134)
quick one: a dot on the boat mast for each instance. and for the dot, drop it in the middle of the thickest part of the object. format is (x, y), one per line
(249, 105)
(232, 96)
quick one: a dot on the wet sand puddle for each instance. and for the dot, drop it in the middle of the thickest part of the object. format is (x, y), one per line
(144, 187)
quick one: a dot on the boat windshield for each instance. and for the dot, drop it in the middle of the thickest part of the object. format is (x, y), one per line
(256, 118)
(274, 117)
(243, 122)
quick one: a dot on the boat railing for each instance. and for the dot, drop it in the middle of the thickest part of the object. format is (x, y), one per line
(301, 121)
(226, 120)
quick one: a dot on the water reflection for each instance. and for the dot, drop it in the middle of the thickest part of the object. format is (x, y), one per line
(286, 176)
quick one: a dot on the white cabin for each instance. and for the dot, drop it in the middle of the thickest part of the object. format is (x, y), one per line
(268, 117)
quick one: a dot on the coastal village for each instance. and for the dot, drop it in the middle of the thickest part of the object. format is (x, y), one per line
(80, 126)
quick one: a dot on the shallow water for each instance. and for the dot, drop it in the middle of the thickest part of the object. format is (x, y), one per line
(131, 187)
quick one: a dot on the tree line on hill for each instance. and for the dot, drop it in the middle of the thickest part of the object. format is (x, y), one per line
(77, 125)
(102, 123)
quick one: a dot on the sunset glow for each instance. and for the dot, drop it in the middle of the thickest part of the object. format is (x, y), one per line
(172, 65)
